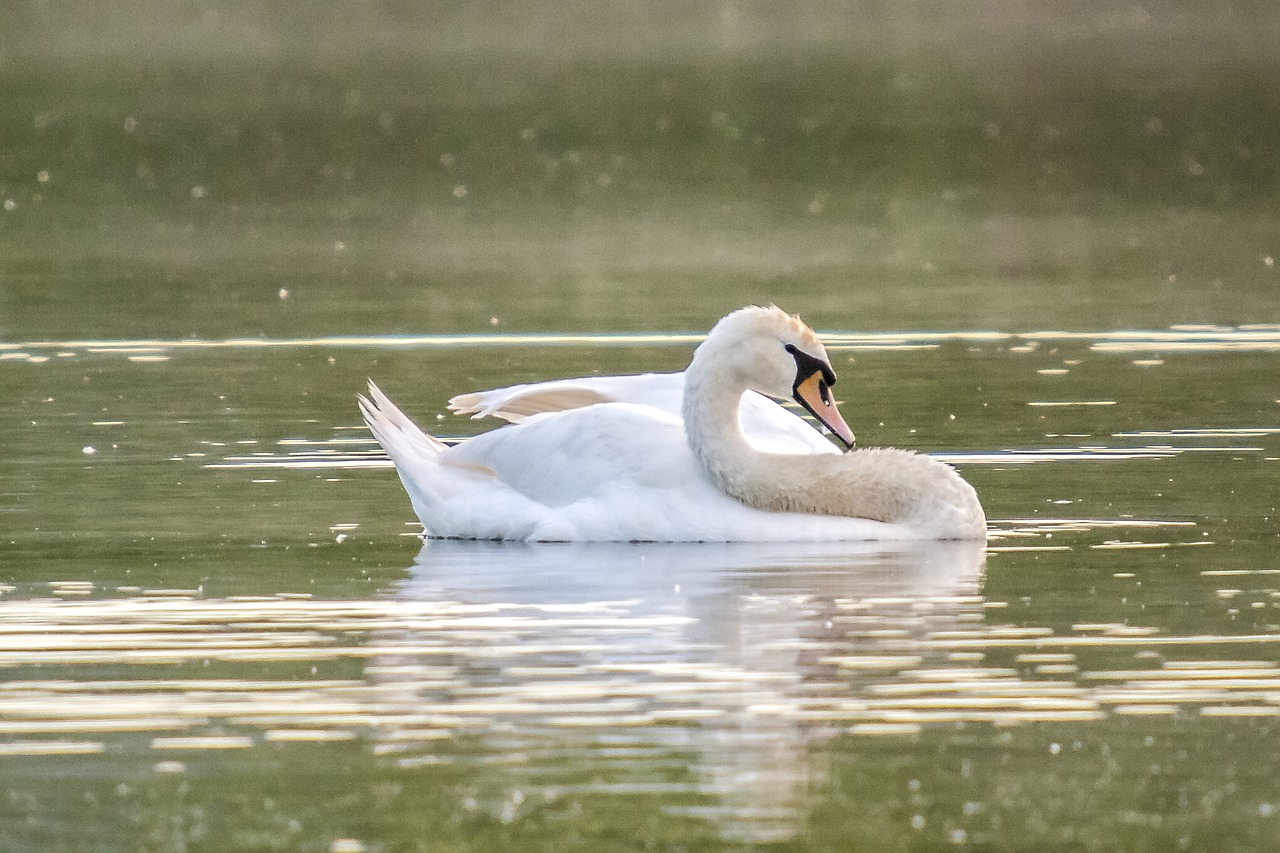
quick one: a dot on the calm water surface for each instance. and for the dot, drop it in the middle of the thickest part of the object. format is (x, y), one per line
(220, 630)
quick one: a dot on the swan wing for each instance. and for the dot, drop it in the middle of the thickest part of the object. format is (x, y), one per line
(769, 427)
(516, 402)
(615, 471)
(559, 458)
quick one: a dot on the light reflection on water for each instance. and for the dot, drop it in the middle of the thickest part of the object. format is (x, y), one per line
(737, 658)
(1248, 338)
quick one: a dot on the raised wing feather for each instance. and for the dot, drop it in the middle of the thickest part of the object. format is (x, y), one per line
(768, 426)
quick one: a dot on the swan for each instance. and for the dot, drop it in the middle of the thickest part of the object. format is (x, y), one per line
(586, 466)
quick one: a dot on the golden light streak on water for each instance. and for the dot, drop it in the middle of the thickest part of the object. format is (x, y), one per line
(885, 729)
(1145, 710)
(1241, 432)
(151, 346)
(1174, 339)
(1245, 344)
(203, 742)
(1240, 711)
(1118, 545)
(978, 641)
(875, 662)
(50, 747)
(1070, 403)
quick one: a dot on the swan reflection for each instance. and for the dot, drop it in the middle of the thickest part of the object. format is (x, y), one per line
(723, 661)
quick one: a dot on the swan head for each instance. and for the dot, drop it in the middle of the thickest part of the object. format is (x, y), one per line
(776, 354)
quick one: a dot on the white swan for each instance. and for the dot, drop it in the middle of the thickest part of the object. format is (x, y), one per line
(596, 470)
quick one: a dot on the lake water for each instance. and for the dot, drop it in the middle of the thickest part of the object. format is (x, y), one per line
(220, 630)
(217, 621)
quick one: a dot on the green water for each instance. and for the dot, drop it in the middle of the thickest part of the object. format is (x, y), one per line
(1038, 242)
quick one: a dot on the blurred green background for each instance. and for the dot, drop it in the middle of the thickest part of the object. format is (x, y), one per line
(167, 168)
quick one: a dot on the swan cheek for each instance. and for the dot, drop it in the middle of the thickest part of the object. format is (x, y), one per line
(809, 394)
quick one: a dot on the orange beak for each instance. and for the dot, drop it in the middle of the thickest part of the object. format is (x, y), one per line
(814, 394)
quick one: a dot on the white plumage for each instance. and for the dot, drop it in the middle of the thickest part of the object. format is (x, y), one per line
(699, 456)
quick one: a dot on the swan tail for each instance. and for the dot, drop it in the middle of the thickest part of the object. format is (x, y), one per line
(518, 402)
(415, 453)
(402, 439)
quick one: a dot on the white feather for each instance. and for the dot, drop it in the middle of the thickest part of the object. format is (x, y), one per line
(657, 458)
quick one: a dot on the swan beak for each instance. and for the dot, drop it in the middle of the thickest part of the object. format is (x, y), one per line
(814, 394)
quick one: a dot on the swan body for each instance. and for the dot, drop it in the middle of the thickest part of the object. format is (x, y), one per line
(613, 459)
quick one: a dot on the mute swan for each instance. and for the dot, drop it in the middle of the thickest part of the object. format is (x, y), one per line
(622, 470)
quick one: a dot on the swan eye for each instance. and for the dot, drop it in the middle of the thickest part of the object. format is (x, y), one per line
(807, 365)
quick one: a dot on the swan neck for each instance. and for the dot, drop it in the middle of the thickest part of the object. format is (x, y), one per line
(710, 413)
(886, 485)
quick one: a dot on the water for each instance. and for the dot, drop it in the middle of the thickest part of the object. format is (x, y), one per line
(217, 620)
(1040, 243)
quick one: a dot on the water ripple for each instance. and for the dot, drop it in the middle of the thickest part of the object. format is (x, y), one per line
(588, 664)
(741, 657)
